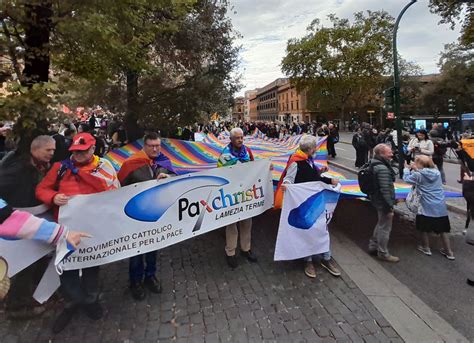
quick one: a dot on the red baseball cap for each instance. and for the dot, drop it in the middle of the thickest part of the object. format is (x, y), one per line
(82, 141)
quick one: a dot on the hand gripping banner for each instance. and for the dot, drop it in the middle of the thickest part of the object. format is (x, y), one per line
(148, 216)
(152, 215)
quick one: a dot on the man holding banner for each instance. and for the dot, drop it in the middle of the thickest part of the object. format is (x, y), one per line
(301, 168)
(19, 176)
(236, 152)
(147, 164)
(84, 173)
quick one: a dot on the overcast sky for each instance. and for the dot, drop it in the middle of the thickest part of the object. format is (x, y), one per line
(266, 25)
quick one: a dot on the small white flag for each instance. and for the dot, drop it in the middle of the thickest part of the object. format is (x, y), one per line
(307, 210)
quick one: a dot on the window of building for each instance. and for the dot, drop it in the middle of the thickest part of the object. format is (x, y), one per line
(297, 105)
(292, 105)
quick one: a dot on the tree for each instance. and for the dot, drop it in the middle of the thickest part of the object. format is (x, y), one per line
(451, 11)
(161, 54)
(154, 60)
(343, 63)
(456, 81)
(30, 24)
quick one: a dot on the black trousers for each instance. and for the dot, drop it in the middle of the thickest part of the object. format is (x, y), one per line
(80, 290)
(24, 285)
(361, 157)
(331, 148)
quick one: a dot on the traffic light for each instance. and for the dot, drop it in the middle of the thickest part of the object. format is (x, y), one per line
(451, 105)
(389, 99)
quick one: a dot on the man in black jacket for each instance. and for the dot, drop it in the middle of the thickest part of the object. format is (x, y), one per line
(383, 200)
(333, 138)
(360, 145)
(19, 176)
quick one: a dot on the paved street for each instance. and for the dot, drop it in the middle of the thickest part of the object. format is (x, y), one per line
(203, 300)
(440, 283)
(346, 155)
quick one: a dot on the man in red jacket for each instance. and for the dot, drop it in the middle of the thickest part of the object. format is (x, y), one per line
(83, 173)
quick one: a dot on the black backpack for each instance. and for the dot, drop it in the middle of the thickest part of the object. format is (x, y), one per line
(440, 148)
(366, 178)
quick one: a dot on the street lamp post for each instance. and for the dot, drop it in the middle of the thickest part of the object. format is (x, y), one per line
(396, 84)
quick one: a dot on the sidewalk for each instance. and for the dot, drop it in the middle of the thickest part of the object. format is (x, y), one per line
(204, 301)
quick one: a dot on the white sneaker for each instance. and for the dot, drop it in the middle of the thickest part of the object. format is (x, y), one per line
(426, 251)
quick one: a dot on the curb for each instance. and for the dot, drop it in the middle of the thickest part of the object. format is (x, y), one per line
(456, 209)
(409, 316)
(452, 208)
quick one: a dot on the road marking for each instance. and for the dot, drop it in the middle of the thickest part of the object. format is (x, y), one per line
(337, 148)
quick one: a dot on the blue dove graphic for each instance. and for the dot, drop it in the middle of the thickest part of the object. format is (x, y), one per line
(305, 215)
(151, 204)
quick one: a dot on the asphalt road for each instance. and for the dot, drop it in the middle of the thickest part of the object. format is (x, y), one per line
(440, 283)
(346, 156)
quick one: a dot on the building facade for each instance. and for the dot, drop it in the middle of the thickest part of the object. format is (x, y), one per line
(253, 113)
(267, 106)
(238, 109)
(292, 105)
(247, 97)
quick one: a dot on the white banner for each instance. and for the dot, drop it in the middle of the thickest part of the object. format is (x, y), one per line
(307, 210)
(155, 214)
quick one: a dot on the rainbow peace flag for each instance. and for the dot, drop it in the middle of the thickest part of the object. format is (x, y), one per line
(190, 157)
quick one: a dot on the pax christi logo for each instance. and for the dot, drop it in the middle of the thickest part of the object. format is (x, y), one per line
(305, 215)
(151, 204)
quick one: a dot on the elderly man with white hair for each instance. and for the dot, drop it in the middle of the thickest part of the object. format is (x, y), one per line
(302, 168)
(236, 152)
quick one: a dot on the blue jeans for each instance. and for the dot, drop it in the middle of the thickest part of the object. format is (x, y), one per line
(326, 256)
(137, 270)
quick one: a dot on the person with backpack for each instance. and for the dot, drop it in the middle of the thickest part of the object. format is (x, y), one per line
(360, 145)
(83, 173)
(440, 149)
(432, 215)
(382, 197)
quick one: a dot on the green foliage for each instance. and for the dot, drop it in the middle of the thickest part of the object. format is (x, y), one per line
(452, 11)
(180, 53)
(342, 64)
(183, 58)
(29, 107)
(456, 81)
